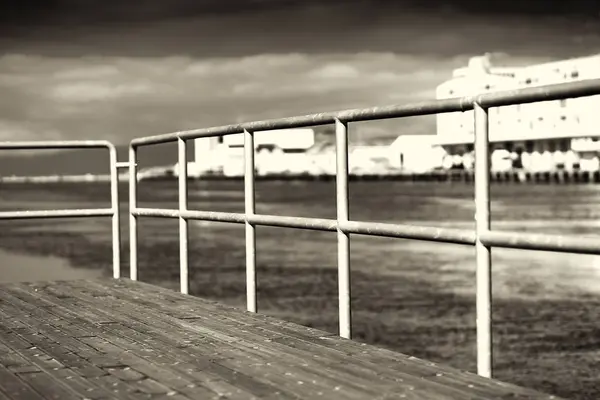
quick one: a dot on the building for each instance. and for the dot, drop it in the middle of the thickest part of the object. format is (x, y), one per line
(207, 156)
(276, 151)
(539, 136)
(416, 153)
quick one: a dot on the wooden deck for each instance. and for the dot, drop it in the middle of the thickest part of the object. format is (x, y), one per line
(106, 339)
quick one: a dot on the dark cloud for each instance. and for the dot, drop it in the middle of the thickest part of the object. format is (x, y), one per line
(92, 11)
(242, 27)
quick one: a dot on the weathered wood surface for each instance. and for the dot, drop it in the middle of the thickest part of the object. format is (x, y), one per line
(104, 339)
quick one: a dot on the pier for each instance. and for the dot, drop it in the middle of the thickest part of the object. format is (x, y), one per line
(128, 340)
(120, 338)
(515, 176)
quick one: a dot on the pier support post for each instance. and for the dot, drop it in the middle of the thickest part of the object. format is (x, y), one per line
(116, 217)
(483, 252)
(133, 230)
(345, 315)
(184, 281)
(249, 196)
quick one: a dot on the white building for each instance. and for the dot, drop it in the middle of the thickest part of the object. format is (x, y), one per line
(535, 132)
(207, 156)
(276, 151)
(416, 153)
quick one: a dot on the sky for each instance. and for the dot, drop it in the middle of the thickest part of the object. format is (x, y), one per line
(83, 69)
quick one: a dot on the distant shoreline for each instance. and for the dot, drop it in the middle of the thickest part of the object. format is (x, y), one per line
(514, 176)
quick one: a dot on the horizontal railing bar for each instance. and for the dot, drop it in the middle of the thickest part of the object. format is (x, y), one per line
(315, 224)
(154, 212)
(542, 242)
(214, 216)
(55, 144)
(240, 218)
(426, 233)
(40, 214)
(437, 106)
(445, 235)
(514, 240)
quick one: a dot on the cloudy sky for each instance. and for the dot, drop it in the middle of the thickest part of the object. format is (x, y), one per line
(117, 70)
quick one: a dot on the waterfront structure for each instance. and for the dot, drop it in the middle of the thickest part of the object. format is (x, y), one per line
(207, 156)
(557, 134)
(416, 153)
(277, 151)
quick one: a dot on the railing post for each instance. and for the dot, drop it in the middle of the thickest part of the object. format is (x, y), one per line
(249, 195)
(183, 223)
(116, 220)
(133, 230)
(345, 315)
(483, 252)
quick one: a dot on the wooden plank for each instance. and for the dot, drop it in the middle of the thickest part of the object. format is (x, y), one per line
(312, 375)
(118, 388)
(452, 382)
(147, 342)
(425, 370)
(195, 389)
(4, 396)
(15, 388)
(192, 307)
(304, 381)
(53, 358)
(92, 370)
(51, 388)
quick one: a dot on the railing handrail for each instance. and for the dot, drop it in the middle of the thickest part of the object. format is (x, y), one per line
(483, 238)
(112, 211)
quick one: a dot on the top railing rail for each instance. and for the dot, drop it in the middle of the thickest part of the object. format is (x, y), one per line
(455, 104)
(483, 238)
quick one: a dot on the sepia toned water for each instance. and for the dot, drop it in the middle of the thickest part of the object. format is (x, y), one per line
(568, 209)
(410, 296)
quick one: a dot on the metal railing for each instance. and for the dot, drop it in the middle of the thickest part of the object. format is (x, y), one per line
(112, 212)
(483, 238)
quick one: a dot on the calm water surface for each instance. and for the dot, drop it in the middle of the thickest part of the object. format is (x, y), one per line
(543, 209)
(18, 267)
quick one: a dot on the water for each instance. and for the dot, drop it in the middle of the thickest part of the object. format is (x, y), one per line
(17, 267)
(536, 209)
(410, 296)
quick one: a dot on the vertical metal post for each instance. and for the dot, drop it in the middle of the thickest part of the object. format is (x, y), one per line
(483, 252)
(249, 195)
(183, 224)
(345, 315)
(133, 231)
(116, 224)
